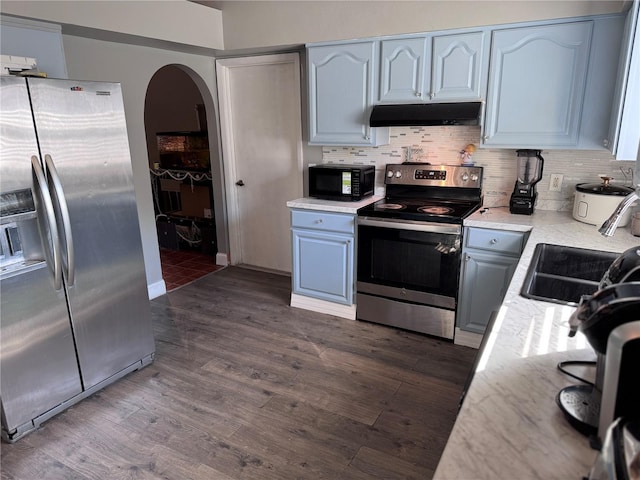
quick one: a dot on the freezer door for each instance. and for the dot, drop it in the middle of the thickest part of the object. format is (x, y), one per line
(38, 364)
(82, 134)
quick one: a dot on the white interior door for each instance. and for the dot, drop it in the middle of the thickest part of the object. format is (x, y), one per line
(260, 121)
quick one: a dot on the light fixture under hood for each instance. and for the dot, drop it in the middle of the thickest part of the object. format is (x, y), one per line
(425, 114)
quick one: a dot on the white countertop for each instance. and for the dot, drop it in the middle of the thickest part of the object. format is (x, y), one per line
(509, 425)
(309, 203)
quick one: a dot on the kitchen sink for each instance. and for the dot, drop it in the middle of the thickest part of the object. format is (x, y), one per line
(562, 274)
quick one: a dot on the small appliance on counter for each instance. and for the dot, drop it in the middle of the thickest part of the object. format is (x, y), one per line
(594, 202)
(619, 458)
(341, 182)
(524, 195)
(610, 320)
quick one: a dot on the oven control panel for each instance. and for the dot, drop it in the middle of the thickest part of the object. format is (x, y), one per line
(424, 174)
(430, 174)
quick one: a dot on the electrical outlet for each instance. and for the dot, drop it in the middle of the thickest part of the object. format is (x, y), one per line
(555, 184)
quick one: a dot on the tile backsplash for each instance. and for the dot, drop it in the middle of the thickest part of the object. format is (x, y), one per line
(442, 145)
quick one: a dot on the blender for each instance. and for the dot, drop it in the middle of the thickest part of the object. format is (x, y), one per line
(523, 198)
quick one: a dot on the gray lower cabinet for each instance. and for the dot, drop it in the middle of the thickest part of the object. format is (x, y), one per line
(323, 255)
(489, 260)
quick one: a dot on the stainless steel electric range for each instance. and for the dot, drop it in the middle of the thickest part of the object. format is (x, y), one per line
(409, 246)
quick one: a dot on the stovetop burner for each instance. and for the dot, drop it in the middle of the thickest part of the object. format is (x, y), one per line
(390, 206)
(436, 210)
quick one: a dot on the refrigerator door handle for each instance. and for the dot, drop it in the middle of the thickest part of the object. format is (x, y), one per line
(58, 195)
(42, 193)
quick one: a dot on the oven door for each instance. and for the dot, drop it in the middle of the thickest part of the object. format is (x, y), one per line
(408, 274)
(413, 261)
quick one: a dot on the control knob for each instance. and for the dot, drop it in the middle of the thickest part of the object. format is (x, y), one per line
(390, 174)
(398, 174)
(465, 177)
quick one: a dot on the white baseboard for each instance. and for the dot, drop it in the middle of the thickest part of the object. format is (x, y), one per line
(222, 259)
(323, 306)
(156, 289)
(467, 339)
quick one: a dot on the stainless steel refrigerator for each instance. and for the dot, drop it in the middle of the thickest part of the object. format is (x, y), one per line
(74, 313)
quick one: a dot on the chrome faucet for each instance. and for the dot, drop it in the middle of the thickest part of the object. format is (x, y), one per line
(609, 226)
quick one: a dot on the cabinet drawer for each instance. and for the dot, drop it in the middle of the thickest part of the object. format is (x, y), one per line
(317, 220)
(495, 240)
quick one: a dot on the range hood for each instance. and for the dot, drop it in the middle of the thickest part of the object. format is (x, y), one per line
(425, 114)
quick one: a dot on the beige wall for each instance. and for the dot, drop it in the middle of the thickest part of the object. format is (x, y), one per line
(255, 24)
(133, 66)
(176, 21)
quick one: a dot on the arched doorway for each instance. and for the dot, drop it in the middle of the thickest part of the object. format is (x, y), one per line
(180, 159)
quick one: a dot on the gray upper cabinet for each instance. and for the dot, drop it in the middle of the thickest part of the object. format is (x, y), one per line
(434, 68)
(547, 85)
(39, 40)
(459, 65)
(342, 85)
(624, 134)
(536, 85)
(402, 70)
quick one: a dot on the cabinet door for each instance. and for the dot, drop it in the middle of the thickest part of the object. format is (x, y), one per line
(536, 85)
(323, 265)
(624, 135)
(402, 70)
(341, 88)
(485, 278)
(459, 66)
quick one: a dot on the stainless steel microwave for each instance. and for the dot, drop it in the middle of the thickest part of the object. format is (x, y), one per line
(341, 182)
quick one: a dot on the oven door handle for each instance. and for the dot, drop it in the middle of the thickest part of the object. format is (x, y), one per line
(397, 224)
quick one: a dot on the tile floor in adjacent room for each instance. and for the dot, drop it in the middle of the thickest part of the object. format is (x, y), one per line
(180, 267)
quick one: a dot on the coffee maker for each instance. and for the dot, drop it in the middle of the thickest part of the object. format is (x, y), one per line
(619, 457)
(524, 195)
(610, 320)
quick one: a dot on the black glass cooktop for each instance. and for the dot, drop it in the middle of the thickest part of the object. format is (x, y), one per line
(417, 209)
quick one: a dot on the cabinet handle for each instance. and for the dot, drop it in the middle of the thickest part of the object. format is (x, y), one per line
(319, 220)
(485, 137)
(431, 95)
(493, 241)
(418, 94)
(605, 142)
(467, 257)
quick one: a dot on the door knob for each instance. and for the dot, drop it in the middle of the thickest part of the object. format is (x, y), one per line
(240, 183)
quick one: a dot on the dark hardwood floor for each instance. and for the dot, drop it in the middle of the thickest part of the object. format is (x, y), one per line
(245, 387)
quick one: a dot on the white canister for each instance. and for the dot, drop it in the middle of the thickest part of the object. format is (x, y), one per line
(595, 202)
